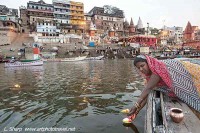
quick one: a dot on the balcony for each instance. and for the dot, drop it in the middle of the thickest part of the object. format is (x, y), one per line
(60, 7)
(40, 10)
(59, 12)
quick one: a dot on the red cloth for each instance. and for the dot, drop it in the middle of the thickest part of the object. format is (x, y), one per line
(36, 51)
(159, 68)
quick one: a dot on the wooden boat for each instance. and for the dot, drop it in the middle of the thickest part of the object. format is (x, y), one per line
(24, 63)
(51, 60)
(3, 61)
(95, 58)
(80, 58)
(158, 118)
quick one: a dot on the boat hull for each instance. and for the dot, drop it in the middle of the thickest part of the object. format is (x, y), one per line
(23, 64)
(73, 59)
(95, 58)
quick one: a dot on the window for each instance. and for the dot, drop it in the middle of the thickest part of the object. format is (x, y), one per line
(36, 7)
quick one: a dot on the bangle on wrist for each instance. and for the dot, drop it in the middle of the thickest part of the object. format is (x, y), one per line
(137, 105)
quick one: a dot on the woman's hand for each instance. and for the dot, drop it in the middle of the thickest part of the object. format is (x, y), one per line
(132, 111)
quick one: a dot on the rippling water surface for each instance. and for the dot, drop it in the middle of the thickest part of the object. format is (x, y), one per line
(87, 95)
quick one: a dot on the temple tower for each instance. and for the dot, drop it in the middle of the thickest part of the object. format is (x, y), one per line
(131, 28)
(188, 32)
(126, 28)
(139, 24)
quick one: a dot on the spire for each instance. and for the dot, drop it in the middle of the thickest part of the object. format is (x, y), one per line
(188, 28)
(139, 24)
(131, 27)
(131, 23)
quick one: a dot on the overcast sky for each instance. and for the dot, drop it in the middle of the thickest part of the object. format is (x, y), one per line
(156, 12)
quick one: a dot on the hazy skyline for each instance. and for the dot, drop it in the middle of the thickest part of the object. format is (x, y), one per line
(156, 12)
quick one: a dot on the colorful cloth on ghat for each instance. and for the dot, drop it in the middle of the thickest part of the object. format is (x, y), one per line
(177, 79)
(194, 71)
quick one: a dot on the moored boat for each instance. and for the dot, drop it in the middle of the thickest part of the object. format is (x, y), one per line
(95, 58)
(80, 58)
(24, 63)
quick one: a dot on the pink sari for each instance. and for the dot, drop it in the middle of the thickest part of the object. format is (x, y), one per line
(177, 79)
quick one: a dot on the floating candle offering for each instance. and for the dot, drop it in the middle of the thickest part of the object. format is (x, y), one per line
(125, 111)
(126, 120)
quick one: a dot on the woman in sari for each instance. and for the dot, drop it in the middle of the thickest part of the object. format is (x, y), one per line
(172, 77)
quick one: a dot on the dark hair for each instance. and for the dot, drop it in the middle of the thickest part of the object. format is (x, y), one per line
(139, 59)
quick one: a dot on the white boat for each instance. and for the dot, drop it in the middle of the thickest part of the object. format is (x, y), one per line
(24, 63)
(95, 58)
(80, 58)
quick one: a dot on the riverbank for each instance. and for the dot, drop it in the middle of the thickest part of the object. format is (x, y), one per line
(72, 50)
(110, 51)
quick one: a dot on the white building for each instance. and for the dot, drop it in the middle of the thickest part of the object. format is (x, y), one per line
(47, 27)
(61, 11)
(178, 35)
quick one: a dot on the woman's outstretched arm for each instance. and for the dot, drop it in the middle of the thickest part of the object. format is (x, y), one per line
(153, 81)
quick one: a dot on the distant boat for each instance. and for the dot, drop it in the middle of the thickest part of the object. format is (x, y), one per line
(95, 58)
(24, 63)
(80, 58)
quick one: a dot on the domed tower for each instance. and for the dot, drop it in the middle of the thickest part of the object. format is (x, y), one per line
(139, 24)
(188, 32)
(140, 29)
(126, 27)
(131, 28)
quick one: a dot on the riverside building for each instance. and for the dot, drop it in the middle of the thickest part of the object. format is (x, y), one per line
(9, 24)
(60, 17)
(106, 17)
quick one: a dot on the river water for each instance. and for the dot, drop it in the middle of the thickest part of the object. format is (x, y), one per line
(86, 96)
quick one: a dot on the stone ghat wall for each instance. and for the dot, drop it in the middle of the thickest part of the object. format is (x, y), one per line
(7, 37)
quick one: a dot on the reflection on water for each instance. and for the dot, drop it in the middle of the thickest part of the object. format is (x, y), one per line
(132, 127)
(87, 95)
